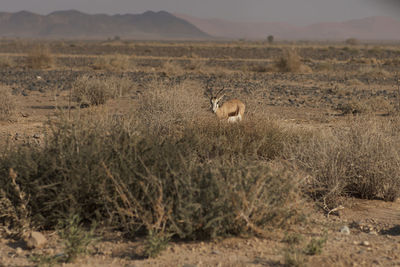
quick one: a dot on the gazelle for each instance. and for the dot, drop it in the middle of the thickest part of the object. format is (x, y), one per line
(232, 110)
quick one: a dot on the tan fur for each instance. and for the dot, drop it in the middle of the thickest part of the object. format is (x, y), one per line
(231, 108)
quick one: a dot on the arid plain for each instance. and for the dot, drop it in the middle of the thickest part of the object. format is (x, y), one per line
(124, 139)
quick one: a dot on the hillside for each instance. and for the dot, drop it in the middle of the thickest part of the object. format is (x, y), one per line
(75, 24)
(370, 28)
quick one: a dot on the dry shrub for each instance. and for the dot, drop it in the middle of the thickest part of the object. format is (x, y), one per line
(374, 71)
(354, 82)
(376, 50)
(93, 90)
(352, 41)
(392, 62)
(114, 63)
(14, 215)
(380, 104)
(360, 161)
(325, 66)
(196, 65)
(7, 103)
(6, 62)
(259, 68)
(109, 170)
(376, 104)
(364, 60)
(255, 137)
(166, 107)
(291, 62)
(39, 57)
(353, 107)
(172, 67)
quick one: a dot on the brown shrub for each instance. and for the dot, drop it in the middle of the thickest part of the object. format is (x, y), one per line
(352, 41)
(172, 67)
(353, 107)
(39, 57)
(290, 62)
(6, 62)
(374, 71)
(392, 62)
(142, 182)
(7, 103)
(114, 63)
(261, 68)
(325, 66)
(361, 160)
(165, 107)
(92, 90)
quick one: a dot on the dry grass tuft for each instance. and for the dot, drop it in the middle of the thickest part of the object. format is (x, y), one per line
(374, 71)
(14, 218)
(392, 62)
(352, 41)
(373, 105)
(291, 62)
(325, 66)
(7, 103)
(172, 67)
(114, 63)
(39, 57)
(92, 90)
(6, 62)
(165, 107)
(360, 161)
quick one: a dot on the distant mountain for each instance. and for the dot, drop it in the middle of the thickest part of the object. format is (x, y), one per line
(370, 28)
(75, 24)
(232, 29)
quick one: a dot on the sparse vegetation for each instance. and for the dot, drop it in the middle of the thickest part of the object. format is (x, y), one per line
(361, 162)
(374, 72)
(39, 57)
(293, 239)
(155, 244)
(75, 238)
(147, 182)
(6, 62)
(114, 63)
(315, 246)
(7, 103)
(14, 214)
(294, 257)
(290, 62)
(352, 41)
(93, 90)
(155, 168)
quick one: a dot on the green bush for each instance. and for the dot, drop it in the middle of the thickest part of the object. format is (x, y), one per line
(75, 238)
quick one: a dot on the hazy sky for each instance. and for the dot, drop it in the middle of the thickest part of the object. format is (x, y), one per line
(301, 11)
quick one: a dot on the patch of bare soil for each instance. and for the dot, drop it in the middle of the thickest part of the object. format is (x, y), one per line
(374, 240)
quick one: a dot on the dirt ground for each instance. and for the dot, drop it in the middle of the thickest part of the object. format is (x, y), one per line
(339, 76)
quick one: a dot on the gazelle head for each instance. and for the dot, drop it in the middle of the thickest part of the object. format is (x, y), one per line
(215, 100)
(215, 103)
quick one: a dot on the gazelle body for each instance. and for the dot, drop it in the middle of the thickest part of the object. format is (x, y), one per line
(232, 110)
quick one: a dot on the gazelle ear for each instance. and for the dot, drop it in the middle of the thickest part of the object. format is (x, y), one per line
(219, 98)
